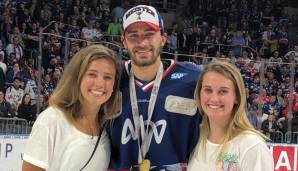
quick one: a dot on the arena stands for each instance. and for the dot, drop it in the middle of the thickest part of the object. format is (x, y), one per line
(38, 37)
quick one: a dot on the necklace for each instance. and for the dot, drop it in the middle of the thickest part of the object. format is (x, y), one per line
(93, 131)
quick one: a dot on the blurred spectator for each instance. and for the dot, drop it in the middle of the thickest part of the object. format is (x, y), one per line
(279, 96)
(43, 103)
(90, 33)
(104, 22)
(222, 14)
(13, 72)
(263, 95)
(5, 107)
(271, 84)
(195, 40)
(290, 58)
(272, 107)
(266, 38)
(32, 38)
(172, 41)
(227, 39)
(56, 29)
(276, 57)
(31, 86)
(237, 42)
(114, 30)
(22, 15)
(73, 29)
(295, 50)
(34, 9)
(14, 93)
(16, 45)
(119, 11)
(283, 40)
(5, 26)
(52, 47)
(201, 58)
(294, 98)
(244, 58)
(48, 86)
(62, 19)
(269, 126)
(57, 73)
(182, 41)
(10, 60)
(273, 43)
(45, 15)
(26, 110)
(15, 37)
(285, 84)
(23, 32)
(284, 108)
(254, 86)
(212, 39)
(252, 113)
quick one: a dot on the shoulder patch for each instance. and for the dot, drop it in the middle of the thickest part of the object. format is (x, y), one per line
(181, 105)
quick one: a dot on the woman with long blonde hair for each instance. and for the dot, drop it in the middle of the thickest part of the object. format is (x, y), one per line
(228, 142)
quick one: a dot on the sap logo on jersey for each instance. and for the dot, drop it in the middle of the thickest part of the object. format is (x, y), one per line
(178, 75)
(128, 131)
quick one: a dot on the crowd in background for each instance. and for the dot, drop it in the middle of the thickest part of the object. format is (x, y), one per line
(245, 32)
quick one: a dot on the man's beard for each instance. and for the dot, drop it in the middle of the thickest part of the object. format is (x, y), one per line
(140, 63)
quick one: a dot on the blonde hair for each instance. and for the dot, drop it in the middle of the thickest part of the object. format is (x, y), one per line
(239, 121)
(67, 95)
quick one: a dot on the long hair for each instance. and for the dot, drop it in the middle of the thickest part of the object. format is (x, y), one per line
(67, 95)
(23, 99)
(239, 121)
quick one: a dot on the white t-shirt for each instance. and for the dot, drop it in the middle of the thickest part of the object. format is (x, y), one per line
(56, 145)
(91, 33)
(245, 152)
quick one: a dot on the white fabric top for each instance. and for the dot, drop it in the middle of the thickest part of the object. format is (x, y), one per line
(91, 33)
(3, 66)
(31, 89)
(14, 96)
(56, 145)
(246, 152)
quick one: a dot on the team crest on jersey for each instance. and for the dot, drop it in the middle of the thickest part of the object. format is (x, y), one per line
(177, 75)
(156, 131)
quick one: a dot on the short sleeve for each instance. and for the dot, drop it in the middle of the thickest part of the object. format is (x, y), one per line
(257, 158)
(39, 146)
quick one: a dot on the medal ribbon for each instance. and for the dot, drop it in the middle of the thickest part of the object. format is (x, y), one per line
(135, 110)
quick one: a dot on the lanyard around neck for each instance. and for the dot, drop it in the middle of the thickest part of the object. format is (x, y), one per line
(135, 110)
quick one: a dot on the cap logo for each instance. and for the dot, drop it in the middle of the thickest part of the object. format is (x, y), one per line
(139, 10)
(139, 14)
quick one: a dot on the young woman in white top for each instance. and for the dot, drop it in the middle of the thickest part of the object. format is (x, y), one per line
(69, 135)
(228, 142)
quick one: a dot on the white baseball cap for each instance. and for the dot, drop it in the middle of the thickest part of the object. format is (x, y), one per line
(143, 14)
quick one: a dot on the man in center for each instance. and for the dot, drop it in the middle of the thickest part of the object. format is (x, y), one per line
(158, 125)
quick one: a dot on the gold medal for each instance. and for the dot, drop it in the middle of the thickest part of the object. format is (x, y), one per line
(145, 165)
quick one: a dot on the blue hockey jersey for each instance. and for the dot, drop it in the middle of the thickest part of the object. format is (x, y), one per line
(174, 126)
